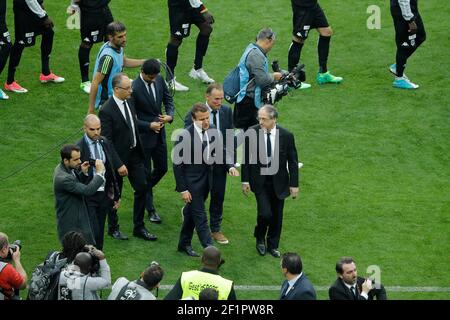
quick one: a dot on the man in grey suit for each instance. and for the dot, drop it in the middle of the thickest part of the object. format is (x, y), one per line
(149, 93)
(221, 117)
(297, 285)
(71, 210)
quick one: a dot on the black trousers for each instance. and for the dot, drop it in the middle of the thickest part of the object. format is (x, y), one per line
(217, 197)
(269, 217)
(245, 114)
(194, 217)
(156, 168)
(99, 205)
(136, 176)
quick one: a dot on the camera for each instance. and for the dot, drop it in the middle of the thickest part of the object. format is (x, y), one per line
(92, 162)
(13, 248)
(287, 81)
(95, 265)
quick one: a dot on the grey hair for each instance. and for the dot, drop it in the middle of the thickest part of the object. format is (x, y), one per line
(271, 111)
(265, 33)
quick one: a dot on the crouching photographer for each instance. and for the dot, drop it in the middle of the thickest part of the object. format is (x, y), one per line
(254, 77)
(88, 273)
(12, 279)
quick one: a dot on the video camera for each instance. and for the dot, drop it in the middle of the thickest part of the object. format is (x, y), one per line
(288, 80)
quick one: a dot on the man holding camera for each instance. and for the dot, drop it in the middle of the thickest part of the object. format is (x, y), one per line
(349, 286)
(81, 280)
(255, 76)
(70, 192)
(307, 15)
(94, 147)
(11, 279)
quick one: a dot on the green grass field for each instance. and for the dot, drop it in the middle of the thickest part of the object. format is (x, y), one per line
(375, 182)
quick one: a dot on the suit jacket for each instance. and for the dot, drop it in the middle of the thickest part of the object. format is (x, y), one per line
(148, 110)
(111, 165)
(116, 130)
(287, 159)
(71, 211)
(192, 174)
(339, 291)
(225, 123)
(302, 290)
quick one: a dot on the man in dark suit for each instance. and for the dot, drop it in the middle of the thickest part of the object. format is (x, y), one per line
(221, 117)
(297, 285)
(119, 123)
(149, 93)
(94, 146)
(270, 171)
(70, 192)
(348, 286)
(193, 161)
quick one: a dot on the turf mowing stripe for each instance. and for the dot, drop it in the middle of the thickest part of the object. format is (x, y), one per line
(321, 288)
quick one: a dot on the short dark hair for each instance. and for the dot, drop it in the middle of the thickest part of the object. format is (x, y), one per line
(198, 107)
(214, 86)
(66, 151)
(341, 262)
(115, 27)
(151, 67)
(292, 262)
(153, 275)
(208, 294)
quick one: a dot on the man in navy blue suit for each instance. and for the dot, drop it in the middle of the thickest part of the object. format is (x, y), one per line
(297, 285)
(150, 92)
(221, 117)
(195, 154)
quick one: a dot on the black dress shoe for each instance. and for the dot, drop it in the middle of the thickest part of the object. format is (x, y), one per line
(154, 217)
(118, 235)
(261, 248)
(189, 251)
(144, 234)
(275, 253)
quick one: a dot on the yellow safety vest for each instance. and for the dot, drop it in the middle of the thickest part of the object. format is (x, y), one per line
(193, 282)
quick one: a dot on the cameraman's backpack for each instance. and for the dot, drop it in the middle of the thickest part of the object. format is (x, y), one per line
(232, 84)
(45, 279)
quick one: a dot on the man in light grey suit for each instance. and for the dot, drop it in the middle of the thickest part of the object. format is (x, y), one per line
(296, 286)
(71, 210)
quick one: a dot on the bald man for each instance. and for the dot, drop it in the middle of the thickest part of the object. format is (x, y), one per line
(100, 205)
(191, 283)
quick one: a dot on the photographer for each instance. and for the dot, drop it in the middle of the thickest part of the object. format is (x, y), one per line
(70, 191)
(140, 289)
(255, 76)
(349, 286)
(11, 279)
(79, 281)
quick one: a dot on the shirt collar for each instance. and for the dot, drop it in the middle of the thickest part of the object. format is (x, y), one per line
(293, 281)
(118, 101)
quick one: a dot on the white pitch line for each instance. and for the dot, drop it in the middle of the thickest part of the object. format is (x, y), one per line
(322, 288)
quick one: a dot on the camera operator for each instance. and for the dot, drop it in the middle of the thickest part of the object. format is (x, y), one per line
(255, 76)
(79, 281)
(11, 278)
(140, 289)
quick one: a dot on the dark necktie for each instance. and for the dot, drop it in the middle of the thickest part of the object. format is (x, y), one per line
(214, 113)
(269, 148)
(352, 290)
(128, 119)
(204, 140)
(96, 152)
(150, 91)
